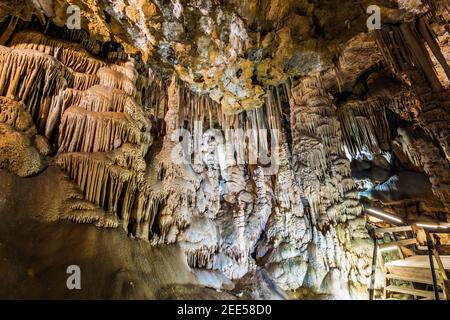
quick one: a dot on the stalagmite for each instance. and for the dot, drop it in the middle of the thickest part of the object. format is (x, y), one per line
(13, 113)
(242, 145)
(325, 173)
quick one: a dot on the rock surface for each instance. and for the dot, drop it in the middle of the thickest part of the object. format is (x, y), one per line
(215, 145)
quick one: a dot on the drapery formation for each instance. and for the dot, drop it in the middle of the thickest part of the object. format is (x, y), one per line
(366, 126)
(408, 49)
(91, 110)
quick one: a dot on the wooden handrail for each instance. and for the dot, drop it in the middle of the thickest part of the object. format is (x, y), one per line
(430, 245)
(446, 284)
(393, 229)
(439, 275)
(400, 243)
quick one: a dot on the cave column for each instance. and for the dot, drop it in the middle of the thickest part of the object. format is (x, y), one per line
(325, 180)
(317, 152)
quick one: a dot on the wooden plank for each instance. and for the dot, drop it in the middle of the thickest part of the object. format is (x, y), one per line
(419, 261)
(400, 243)
(413, 292)
(412, 272)
(409, 278)
(393, 229)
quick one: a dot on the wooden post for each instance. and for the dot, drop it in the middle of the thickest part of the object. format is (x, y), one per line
(433, 272)
(374, 264)
(444, 279)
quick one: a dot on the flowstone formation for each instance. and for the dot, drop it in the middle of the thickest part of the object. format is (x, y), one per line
(340, 242)
(231, 143)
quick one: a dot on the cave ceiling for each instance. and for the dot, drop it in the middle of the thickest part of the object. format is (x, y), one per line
(232, 50)
(238, 144)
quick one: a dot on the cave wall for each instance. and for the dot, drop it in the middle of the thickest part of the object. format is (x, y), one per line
(261, 179)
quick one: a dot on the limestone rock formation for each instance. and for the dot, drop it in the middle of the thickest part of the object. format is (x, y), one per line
(192, 145)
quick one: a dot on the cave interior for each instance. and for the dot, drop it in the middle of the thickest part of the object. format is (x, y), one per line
(225, 149)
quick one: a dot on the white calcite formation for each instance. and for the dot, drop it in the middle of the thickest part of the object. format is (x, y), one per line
(239, 147)
(339, 249)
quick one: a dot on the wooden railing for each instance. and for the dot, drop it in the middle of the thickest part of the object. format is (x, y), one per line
(398, 225)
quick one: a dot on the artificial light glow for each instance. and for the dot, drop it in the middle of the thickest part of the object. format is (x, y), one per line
(387, 216)
(433, 226)
(388, 248)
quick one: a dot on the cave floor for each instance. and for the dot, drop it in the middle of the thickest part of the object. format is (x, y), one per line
(35, 254)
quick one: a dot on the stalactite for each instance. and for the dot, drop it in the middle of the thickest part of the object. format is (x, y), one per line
(115, 79)
(315, 126)
(84, 131)
(435, 118)
(79, 36)
(102, 183)
(285, 178)
(118, 190)
(260, 129)
(117, 56)
(6, 35)
(99, 112)
(176, 184)
(155, 95)
(237, 254)
(77, 209)
(257, 221)
(365, 124)
(82, 81)
(70, 54)
(173, 217)
(60, 103)
(201, 257)
(407, 147)
(21, 70)
(404, 50)
(435, 6)
(104, 136)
